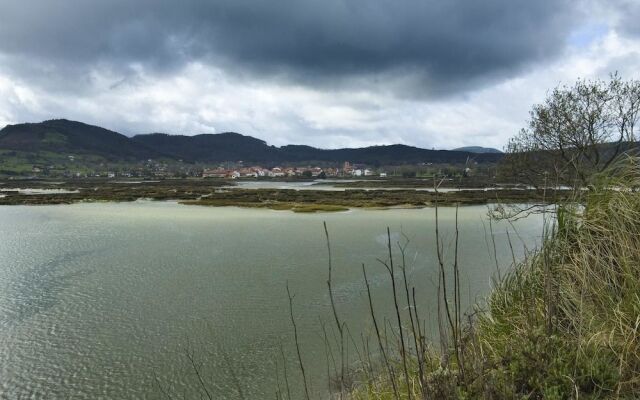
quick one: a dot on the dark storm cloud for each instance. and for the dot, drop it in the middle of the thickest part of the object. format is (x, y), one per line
(428, 45)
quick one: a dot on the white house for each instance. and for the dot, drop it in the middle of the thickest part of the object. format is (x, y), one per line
(276, 172)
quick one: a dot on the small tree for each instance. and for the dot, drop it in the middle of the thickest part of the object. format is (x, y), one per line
(577, 131)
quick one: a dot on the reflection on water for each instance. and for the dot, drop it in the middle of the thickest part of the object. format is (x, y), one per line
(28, 191)
(296, 185)
(96, 300)
(328, 184)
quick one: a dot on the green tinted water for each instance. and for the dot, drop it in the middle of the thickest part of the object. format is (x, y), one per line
(102, 300)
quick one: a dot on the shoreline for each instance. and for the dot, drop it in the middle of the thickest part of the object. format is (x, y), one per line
(215, 194)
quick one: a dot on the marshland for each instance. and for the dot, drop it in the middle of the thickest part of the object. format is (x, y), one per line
(320, 200)
(314, 196)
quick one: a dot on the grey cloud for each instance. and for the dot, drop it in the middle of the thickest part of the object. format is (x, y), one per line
(409, 47)
(630, 16)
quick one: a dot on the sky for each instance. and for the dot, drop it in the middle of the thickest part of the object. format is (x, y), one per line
(327, 73)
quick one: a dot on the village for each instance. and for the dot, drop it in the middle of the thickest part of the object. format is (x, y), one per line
(158, 169)
(279, 172)
(72, 167)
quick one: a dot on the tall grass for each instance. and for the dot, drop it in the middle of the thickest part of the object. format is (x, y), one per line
(562, 324)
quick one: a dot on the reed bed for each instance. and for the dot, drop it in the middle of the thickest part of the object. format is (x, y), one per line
(562, 324)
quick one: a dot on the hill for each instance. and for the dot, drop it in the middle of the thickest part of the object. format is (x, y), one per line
(53, 142)
(384, 155)
(62, 136)
(211, 148)
(478, 149)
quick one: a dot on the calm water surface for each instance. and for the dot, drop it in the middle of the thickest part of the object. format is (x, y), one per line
(328, 185)
(102, 300)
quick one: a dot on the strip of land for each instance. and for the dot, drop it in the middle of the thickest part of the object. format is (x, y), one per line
(207, 192)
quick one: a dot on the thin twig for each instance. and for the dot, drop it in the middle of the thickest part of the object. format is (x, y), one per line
(295, 335)
(377, 329)
(335, 314)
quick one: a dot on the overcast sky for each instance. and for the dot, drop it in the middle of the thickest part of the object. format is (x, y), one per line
(328, 73)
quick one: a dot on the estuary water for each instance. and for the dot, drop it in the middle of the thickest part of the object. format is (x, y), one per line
(329, 185)
(110, 300)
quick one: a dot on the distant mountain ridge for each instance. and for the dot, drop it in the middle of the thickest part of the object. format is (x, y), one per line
(64, 136)
(478, 149)
(71, 137)
(221, 147)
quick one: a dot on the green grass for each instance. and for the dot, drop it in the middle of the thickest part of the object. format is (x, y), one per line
(54, 138)
(312, 208)
(563, 324)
